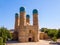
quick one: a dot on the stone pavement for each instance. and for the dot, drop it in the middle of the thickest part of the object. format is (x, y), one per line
(41, 42)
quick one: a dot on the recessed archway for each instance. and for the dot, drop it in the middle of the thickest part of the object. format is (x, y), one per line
(30, 39)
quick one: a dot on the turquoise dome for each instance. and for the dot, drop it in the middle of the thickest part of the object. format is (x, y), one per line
(16, 14)
(22, 9)
(35, 11)
(27, 16)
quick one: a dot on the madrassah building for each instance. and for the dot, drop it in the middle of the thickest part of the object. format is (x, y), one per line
(24, 31)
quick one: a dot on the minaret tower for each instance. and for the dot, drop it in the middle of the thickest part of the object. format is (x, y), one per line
(35, 18)
(21, 32)
(16, 26)
(16, 21)
(28, 19)
(22, 16)
(35, 23)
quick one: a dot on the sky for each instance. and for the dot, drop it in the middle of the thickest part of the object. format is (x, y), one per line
(48, 12)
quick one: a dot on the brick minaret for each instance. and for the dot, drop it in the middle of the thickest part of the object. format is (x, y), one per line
(35, 23)
(27, 19)
(16, 21)
(16, 27)
(22, 24)
(35, 18)
(22, 16)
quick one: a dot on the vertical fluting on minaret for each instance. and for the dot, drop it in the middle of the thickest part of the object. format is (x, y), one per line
(16, 21)
(27, 19)
(22, 16)
(35, 17)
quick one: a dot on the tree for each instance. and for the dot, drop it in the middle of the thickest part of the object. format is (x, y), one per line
(52, 32)
(54, 39)
(1, 41)
(43, 29)
(58, 35)
(5, 34)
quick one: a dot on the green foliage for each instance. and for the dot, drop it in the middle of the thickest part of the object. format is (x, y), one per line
(54, 39)
(1, 41)
(43, 29)
(5, 34)
(52, 32)
(58, 35)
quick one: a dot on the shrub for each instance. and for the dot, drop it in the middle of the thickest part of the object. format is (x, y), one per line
(1, 41)
(54, 39)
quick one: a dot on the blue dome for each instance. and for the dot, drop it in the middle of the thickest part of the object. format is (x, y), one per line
(27, 16)
(16, 14)
(35, 11)
(22, 9)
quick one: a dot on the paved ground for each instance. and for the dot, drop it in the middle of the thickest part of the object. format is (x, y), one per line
(41, 42)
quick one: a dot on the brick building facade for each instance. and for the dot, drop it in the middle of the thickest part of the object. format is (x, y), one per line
(24, 32)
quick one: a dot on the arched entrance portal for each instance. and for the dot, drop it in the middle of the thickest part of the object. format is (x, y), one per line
(30, 39)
